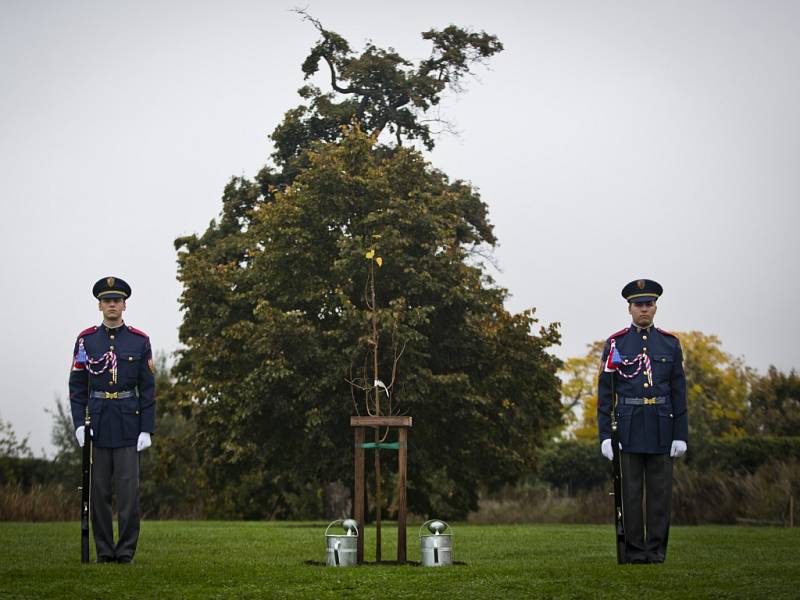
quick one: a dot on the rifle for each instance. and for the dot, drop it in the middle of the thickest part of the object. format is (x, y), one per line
(619, 520)
(86, 485)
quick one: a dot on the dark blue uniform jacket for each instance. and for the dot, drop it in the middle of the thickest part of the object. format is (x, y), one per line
(115, 422)
(645, 429)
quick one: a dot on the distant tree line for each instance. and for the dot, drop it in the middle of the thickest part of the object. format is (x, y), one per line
(745, 472)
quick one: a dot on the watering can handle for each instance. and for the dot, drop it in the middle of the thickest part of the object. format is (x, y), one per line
(431, 521)
(333, 523)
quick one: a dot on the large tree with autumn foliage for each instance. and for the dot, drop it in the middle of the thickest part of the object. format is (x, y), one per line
(275, 312)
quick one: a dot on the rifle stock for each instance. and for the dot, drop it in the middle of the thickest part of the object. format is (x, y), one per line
(619, 514)
(86, 486)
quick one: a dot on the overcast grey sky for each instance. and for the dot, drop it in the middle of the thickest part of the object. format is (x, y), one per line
(611, 141)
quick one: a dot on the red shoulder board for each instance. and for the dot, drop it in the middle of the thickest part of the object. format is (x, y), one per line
(138, 331)
(88, 330)
(619, 333)
(665, 332)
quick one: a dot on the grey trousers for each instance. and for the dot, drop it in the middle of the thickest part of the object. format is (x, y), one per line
(122, 466)
(647, 505)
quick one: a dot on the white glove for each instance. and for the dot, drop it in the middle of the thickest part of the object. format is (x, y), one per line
(606, 449)
(143, 443)
(80, 434)
(678, 448)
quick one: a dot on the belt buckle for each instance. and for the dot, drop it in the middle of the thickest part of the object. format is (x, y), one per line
(111, 395)
(649, 401)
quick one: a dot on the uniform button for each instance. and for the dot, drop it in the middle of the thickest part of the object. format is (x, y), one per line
(663, 360)
(644, 349)
(130, 358)
(647, 385)
(644, 337)
(111, 347)
(111, 337)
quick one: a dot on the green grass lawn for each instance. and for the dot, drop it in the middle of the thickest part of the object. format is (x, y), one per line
(216, 559)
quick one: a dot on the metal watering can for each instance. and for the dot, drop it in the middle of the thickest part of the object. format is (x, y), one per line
(342, 548)
(436, 547)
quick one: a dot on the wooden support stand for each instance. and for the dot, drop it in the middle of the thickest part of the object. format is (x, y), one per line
(359, 425)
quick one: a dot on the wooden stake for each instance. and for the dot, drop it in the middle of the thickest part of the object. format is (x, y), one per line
(402, 437)
(378, 498)
(358, 492)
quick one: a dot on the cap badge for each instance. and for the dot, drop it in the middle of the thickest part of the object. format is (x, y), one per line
(639, 284)
(110, 282)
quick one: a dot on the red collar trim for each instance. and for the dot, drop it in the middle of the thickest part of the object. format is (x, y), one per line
(619, 333)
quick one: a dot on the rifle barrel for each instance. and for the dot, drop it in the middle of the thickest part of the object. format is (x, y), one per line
(86, 487)
(619, 513)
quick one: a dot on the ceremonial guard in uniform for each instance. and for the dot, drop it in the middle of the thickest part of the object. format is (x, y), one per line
(113, 378)
(643, 368)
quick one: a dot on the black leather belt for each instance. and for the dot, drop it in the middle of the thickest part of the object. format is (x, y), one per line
(113, 395)
(644, 401)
